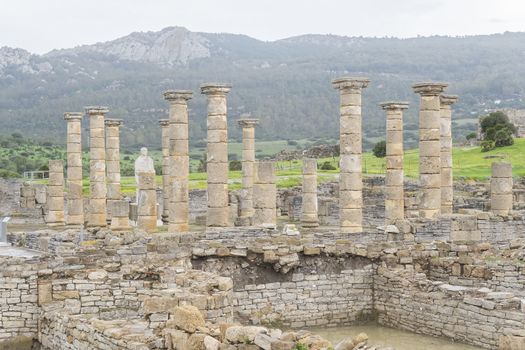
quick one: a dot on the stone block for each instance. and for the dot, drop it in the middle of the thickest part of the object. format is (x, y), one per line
(187, 318)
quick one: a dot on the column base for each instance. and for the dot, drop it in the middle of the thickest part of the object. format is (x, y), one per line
(95, 220)
(120, 224)
(148, 223)
(74, 220)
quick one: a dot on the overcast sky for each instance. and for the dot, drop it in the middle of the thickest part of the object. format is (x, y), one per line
(42, 25)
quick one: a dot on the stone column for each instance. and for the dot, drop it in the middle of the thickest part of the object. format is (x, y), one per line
(394, 190)
(309, 216)
(75, 197)
(217, 160)
(147, 202)
(447, 191)
(430, 148)
(350, 140)
(179, 164)
(264, 194)
(165, 140)
(113, 162)
(501, 184)
(97, 166)
(55, 193)
(248, 160)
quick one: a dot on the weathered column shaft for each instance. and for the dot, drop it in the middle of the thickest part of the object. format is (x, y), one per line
(394, 189)
(97, 163)
(501, 184)
(113, 158)
(447, 190)
(55, 193)
(75, 201)
(309, 217)
(430, 148)
(217, 160)
(147, 202)
(179, 162)
(264, 194)
(248, 161)
(165, 140)
(350, 140)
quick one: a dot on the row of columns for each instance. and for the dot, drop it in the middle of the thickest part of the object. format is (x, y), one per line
(104, 144)
(435, 143)
(435, 146)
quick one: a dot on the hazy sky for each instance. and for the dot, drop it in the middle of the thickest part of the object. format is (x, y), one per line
(42, 25)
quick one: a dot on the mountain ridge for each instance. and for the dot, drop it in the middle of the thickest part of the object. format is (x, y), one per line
(284, 82)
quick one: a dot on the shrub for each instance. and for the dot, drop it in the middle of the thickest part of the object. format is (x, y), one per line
(235, 165)
(471, 136)
(497, 128)
(327, 166)
(487, 145)
(380, 149)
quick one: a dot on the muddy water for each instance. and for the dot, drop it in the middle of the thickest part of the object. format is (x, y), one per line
(400, 340)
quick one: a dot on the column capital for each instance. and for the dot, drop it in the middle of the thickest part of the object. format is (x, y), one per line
(344, 83)
(448, 100)
(215, 89)
(73, 116)
(96, 110)
(178, 95)
(164, 122)
(429, 88)
(394, 105)
(248, 122)
(113, 122)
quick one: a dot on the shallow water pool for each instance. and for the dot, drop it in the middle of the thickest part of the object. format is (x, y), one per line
(398, 339)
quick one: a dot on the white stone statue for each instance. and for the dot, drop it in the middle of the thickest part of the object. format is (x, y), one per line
(143, 164)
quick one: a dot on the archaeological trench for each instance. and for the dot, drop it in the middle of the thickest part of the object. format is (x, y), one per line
(255, 268)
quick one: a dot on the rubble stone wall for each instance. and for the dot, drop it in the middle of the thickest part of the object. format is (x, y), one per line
(19, 311)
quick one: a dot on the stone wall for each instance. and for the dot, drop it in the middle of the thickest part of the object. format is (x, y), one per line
(19, 311)
(337, 291)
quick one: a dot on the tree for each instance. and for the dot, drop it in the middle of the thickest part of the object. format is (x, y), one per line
(327, 166)
(496, 127)
(235, 165)
(471, 136)
(380, 149)
(487, 145)
(202, 164)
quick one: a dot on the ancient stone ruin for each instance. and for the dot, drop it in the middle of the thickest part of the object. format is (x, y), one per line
(255, 267)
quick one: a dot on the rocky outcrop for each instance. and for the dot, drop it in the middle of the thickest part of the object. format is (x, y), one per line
(171, 46)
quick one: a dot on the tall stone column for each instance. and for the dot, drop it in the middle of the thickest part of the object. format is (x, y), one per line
(394, 189)
(179, 164)
(113, 162)
(147, 202)
(265, 194)
(165, 140)
(55, 193)
(97, 164)
(350, 140)
(217, 161)
(248, 160)
(501, 184)
(447, 190)
(430, 148)
(75, 201)
(309, 217)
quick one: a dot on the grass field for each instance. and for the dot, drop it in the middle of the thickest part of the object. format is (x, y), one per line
(469, 163)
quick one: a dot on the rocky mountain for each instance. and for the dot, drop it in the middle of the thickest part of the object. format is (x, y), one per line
(286, 83)
(171, 46)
